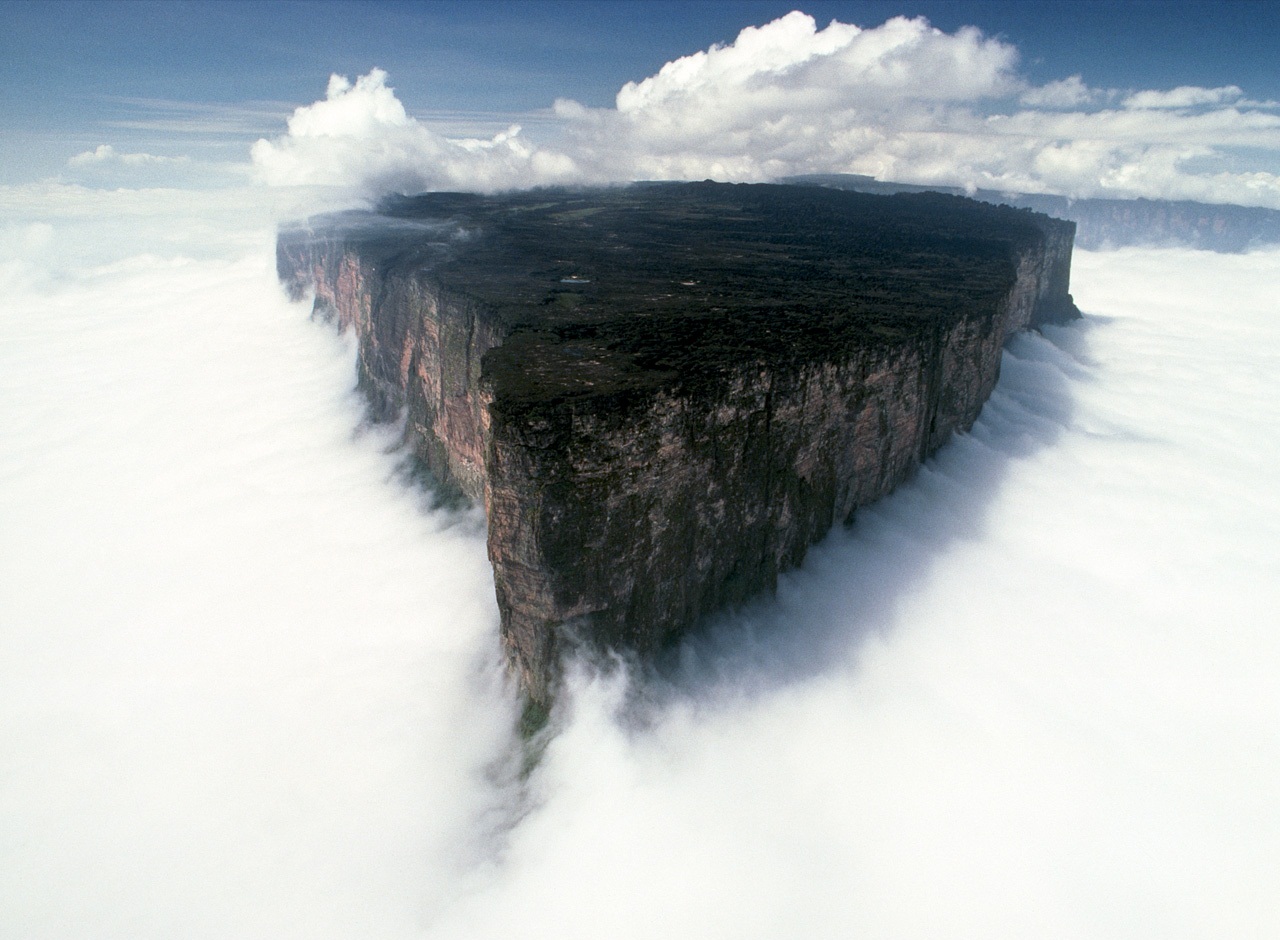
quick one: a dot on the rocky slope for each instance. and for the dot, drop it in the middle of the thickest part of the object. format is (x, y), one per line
(665, 394)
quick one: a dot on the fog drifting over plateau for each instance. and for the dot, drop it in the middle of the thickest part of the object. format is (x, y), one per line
(252, 686)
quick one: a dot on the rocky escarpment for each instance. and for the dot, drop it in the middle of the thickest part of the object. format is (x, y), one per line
(665, 394)
(1117, 223)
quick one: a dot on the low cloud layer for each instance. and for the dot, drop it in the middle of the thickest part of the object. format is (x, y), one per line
(902, 101)
(224, 711)
(251, 684)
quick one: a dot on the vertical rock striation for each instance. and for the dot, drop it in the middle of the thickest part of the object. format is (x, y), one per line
(664, 395)
(420, 348)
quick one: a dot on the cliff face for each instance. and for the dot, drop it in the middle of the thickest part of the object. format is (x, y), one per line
(420, 348)
(629, 520)
(651, 447)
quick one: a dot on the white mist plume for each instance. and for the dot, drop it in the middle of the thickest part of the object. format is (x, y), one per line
(902, 101)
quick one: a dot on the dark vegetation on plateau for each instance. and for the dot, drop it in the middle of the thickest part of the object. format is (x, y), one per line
(620, 291)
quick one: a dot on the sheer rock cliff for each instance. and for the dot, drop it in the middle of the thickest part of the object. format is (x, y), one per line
(664, 394)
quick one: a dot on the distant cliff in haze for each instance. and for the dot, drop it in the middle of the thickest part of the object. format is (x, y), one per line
(1113, 223)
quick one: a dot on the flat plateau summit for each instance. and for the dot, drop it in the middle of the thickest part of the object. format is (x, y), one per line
(664, 393)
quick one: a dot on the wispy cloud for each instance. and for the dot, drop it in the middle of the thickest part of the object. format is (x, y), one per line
(192, 117)
(1185, 96)
(105, 153)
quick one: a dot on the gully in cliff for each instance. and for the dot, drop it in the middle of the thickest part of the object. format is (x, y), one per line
(663, 394)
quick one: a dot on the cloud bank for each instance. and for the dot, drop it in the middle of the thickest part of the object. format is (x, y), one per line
(251, 685)
(902, 101)
(223, 711)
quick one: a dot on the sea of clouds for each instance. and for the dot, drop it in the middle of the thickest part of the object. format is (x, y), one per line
(251, 683)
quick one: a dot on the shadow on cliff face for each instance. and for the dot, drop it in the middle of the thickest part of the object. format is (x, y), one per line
(852, 582)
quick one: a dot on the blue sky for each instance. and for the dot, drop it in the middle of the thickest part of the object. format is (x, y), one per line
(206, 79)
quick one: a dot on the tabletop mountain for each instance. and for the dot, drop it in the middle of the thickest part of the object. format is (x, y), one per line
(663, 394)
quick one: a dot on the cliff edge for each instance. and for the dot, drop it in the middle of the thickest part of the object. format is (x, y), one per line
(663, 394)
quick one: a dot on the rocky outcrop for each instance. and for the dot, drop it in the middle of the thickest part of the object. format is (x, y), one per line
(664, 395)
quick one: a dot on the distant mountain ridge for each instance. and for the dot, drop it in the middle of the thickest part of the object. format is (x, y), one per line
(1111, 223)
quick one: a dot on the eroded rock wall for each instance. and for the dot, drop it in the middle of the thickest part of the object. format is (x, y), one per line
(623, 521)
(420, 349)
(1041, 292)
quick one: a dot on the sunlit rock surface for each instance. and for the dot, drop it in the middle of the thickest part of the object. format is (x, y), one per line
(664, 394)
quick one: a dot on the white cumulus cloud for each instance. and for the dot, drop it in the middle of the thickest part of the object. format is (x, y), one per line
(1063, 94)
(902, 101)
(360, 137)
